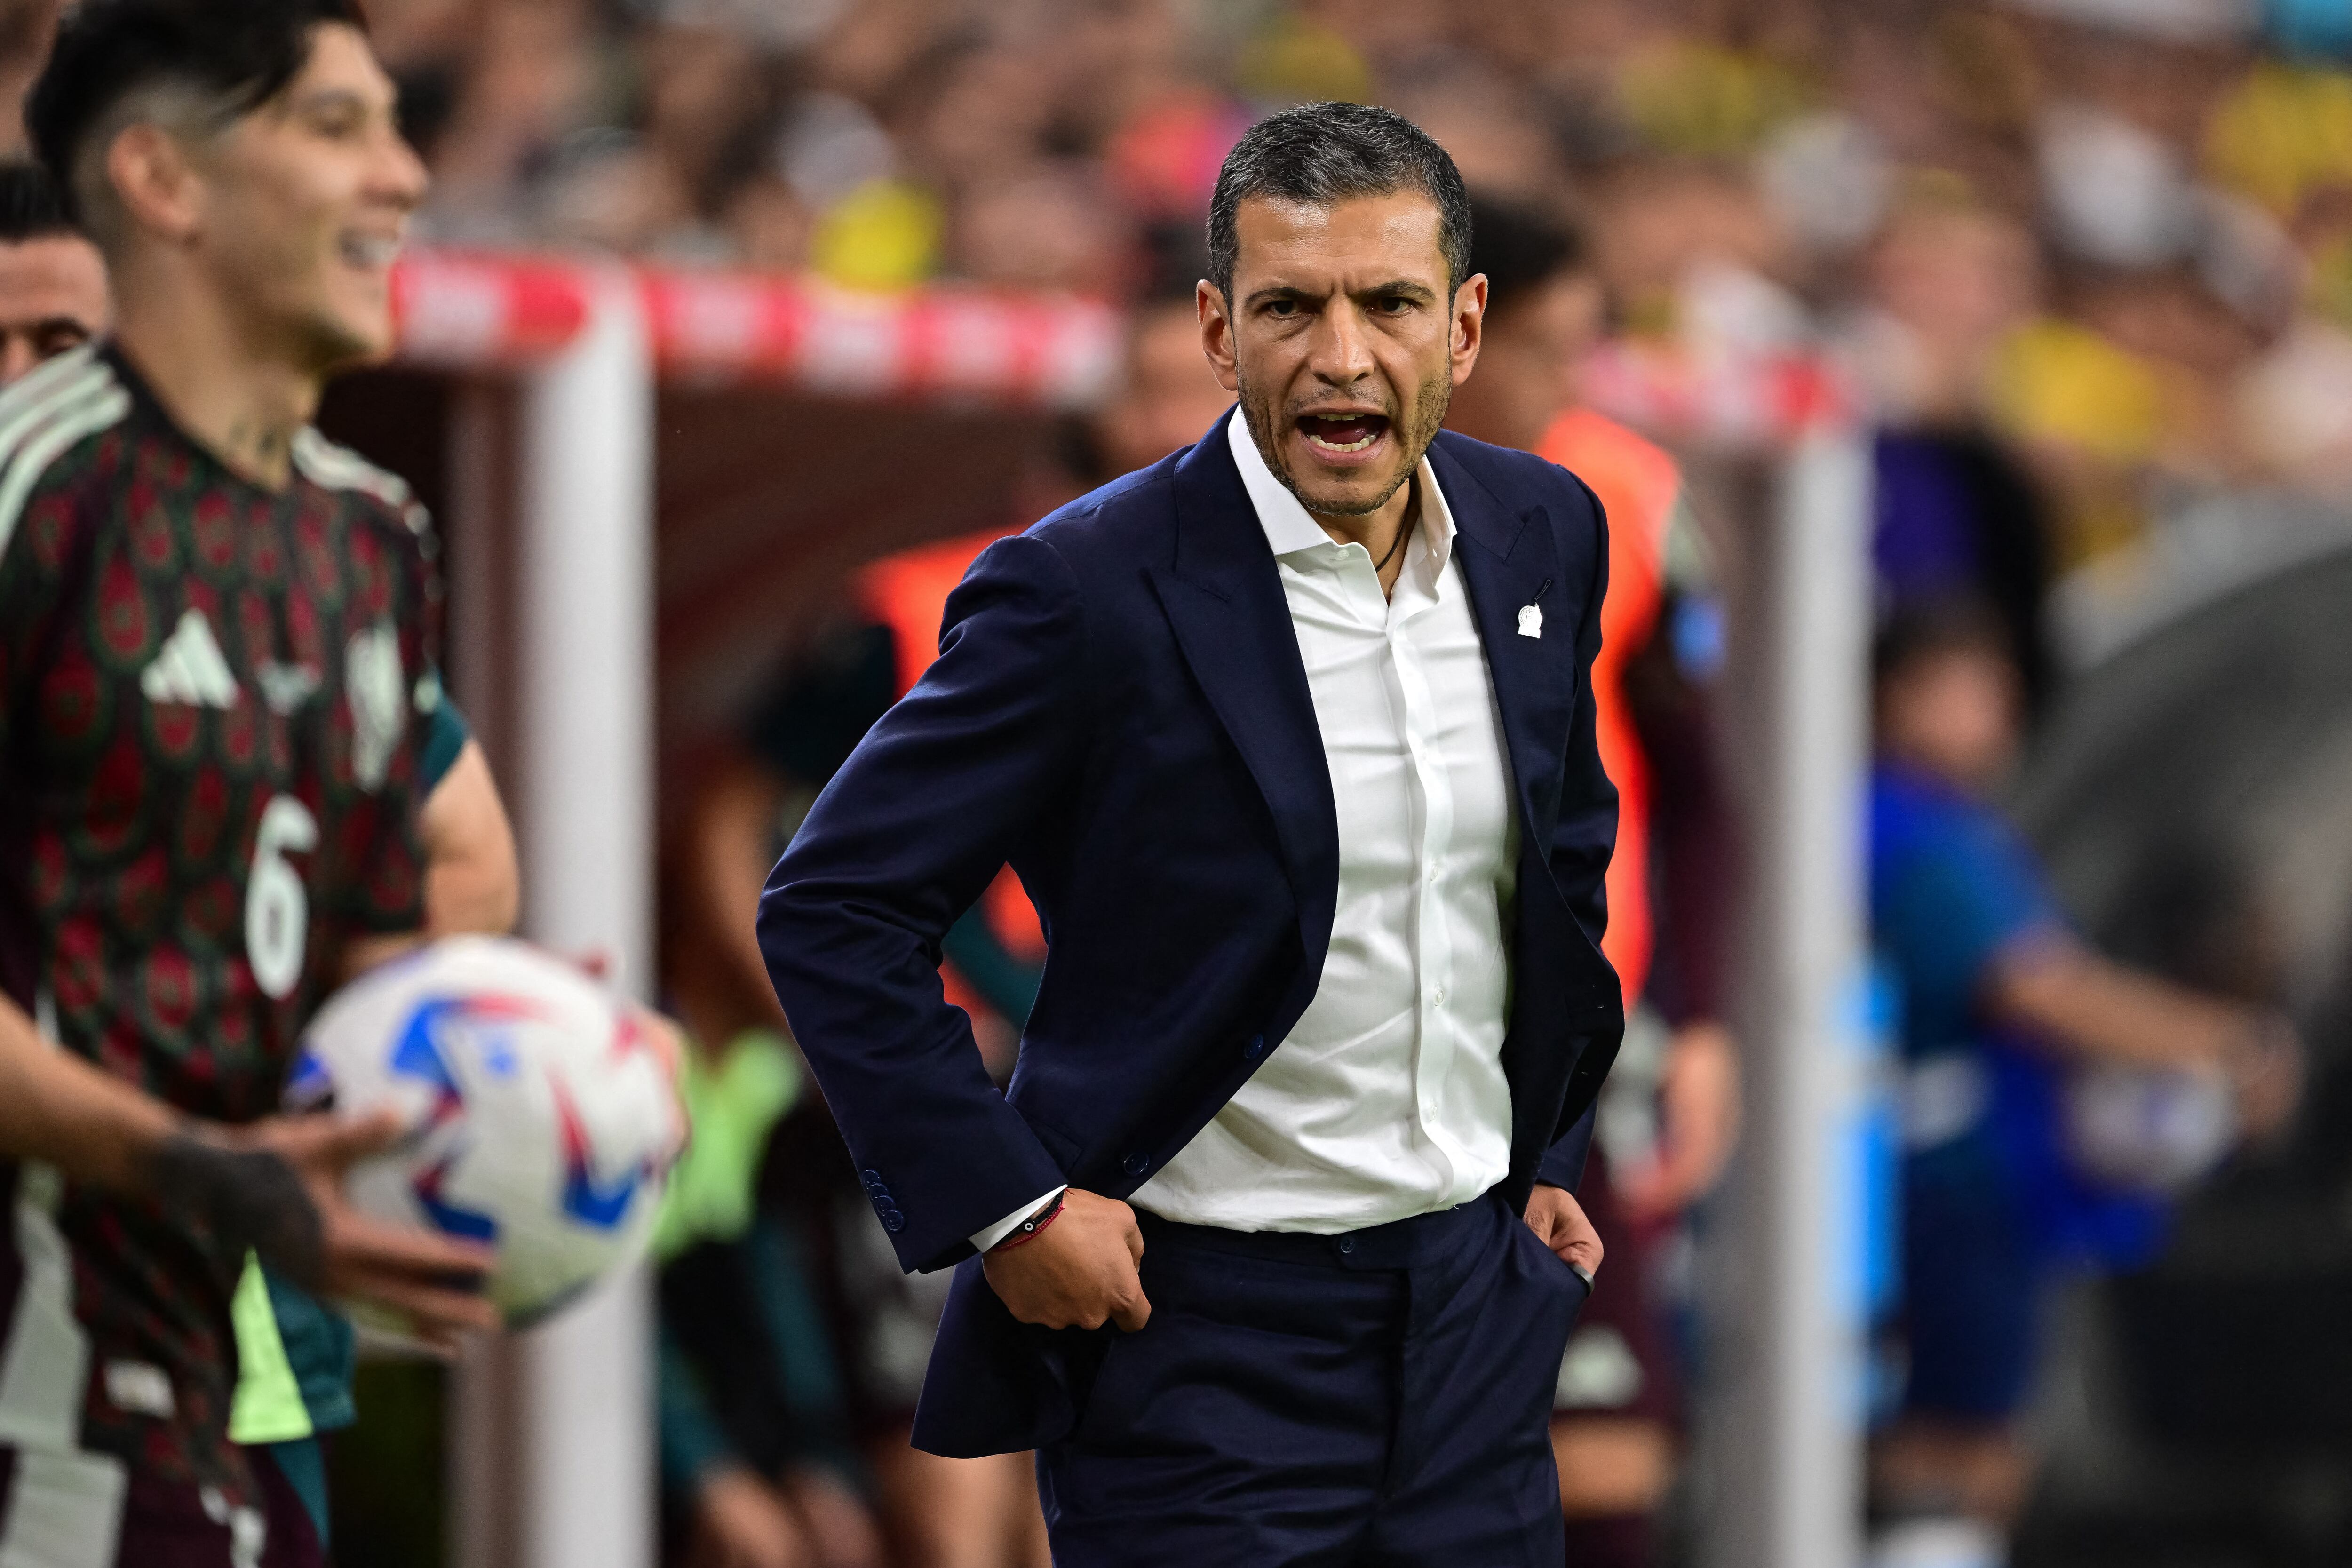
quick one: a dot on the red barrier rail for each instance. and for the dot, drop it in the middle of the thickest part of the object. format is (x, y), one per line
(468, 310)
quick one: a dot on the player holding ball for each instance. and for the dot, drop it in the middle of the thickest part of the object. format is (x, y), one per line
(215, 631)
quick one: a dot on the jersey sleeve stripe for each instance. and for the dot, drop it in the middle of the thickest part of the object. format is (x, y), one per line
(45, 1356)
(19, 420)
(38, 384)
(26, 465)
(338, 468)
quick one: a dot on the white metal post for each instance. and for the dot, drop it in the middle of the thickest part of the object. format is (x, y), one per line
(584, 609)
(1783, 1436)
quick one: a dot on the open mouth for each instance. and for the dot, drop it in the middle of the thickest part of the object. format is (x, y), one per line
(1343, 435)
(370, 252)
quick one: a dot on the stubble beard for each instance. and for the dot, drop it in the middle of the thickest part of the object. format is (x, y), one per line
(1413, 435)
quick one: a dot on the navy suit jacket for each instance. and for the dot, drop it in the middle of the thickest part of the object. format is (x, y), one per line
(1119, 711)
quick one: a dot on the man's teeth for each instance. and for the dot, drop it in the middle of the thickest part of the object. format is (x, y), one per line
(1358, 444)
(364, 252)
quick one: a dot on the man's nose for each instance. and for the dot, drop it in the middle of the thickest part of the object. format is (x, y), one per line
(401, 178)
(1342, 350)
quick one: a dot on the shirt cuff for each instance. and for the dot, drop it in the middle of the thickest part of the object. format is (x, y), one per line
(982, 1241)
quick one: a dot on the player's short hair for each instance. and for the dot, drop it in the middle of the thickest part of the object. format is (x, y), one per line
(1328, 152)
(194, 67)
(1520, 249)
(30, 207)
(1941, 626)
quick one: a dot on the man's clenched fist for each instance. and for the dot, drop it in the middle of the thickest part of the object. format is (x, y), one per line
(1079, 1271)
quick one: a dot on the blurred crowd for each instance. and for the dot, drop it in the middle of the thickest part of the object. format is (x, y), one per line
(2118, 231)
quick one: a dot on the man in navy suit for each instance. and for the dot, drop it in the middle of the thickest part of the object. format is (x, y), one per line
(1270, 1250)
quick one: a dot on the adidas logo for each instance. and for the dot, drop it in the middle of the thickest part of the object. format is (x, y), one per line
(189, 667)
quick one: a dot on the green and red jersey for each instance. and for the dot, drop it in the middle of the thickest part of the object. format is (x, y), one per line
(212, 701)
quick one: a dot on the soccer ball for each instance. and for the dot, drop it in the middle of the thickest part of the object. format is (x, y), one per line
(540, 1116)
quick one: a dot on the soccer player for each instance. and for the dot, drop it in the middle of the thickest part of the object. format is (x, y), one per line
(52, 280)
(294, 1355)
(212, 631)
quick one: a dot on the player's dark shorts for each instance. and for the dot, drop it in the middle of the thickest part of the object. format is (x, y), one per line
(61, 1510)
(1620, 1364)
(1971, 1293)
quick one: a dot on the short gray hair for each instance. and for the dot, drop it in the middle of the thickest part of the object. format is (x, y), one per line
(1327, 152)
(181, 109)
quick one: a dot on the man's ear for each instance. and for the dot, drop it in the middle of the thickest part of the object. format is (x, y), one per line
(156, 181)
(1217, 334)
(1469, 325)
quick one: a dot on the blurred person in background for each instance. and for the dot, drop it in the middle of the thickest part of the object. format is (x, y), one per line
(1054, 226)
(294, 1354)
(759, 1463)
(52, 279)
(240, 169)
(1618, 1406)
(2013, 1030)
(506, 85)
(845, 1373)
(1167, 397)
(25, 32)
(1958, 516)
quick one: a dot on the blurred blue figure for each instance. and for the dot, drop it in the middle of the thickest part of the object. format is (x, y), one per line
(2018, 1043)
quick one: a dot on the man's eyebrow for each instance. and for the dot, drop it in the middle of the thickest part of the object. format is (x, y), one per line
(1395, 286)
(1404, 286)
(1281, 292)
(46, 327)
(338, 97)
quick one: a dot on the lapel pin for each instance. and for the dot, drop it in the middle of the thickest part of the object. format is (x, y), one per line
(1531, 620)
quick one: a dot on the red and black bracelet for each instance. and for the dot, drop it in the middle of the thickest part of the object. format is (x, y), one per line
(1030, 1227)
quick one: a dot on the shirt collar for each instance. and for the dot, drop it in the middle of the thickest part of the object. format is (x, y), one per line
(1289, 529)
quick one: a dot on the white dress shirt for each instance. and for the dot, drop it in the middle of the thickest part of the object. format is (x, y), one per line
(1387, 1099)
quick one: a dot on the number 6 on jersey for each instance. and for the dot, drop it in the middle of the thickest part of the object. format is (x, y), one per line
(277, 905)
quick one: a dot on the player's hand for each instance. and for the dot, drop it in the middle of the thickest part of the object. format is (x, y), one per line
(661, 1035)
(840, 1525)
(1559, 1221)
(2265, 1068)
(1698, 1123)
(1079, 1272)
(741, 1522)
(433, 1281)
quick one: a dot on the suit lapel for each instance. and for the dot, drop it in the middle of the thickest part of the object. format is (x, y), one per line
(1509, 561)
(1224, 599)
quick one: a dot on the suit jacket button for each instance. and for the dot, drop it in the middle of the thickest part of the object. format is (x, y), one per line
(1255, 1049)
(893, 1221)
(1136, 1164)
